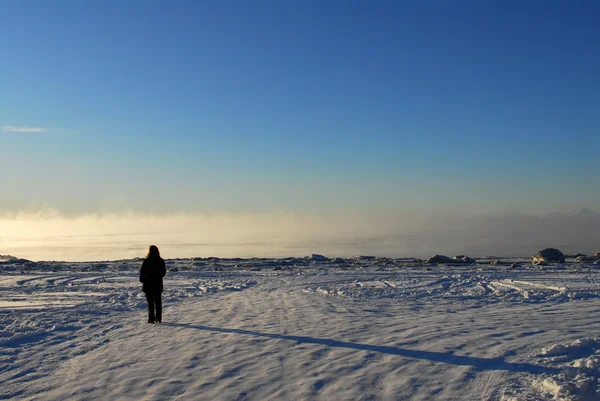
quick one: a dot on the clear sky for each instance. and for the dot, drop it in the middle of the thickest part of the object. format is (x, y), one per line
(299, 106)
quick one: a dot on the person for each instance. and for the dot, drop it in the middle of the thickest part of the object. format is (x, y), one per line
(151, 276)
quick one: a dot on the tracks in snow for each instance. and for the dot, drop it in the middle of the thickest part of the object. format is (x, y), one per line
(275, 341)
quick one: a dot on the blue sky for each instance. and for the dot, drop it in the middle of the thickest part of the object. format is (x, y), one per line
(308, 106)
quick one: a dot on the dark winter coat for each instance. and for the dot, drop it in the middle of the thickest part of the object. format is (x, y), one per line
(151, 274)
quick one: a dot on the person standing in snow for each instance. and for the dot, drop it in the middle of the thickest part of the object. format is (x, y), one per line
(151, 276)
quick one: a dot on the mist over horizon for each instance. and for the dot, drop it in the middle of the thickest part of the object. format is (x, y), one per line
(51, 235)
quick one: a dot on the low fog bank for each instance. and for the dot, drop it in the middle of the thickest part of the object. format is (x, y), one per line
(52, 236)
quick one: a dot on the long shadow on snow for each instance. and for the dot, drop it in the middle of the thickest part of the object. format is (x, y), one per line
(481, 363)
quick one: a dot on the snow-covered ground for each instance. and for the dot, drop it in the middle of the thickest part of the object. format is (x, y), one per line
(301, 329)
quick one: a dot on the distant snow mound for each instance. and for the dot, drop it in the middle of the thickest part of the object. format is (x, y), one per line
(464, 259)
(7, 258)
(447, 259)
(364, 258)
(548, 255)
(318, 258)
(14, 261)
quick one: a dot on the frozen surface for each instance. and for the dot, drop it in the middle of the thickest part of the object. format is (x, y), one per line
(301, 329)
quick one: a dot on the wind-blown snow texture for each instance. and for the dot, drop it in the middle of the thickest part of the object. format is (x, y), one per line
(363, 328)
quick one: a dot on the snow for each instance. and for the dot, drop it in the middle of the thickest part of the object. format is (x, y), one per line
(318, 258)
(363, 328)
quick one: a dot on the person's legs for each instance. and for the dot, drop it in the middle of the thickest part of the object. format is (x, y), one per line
(158, 301)
(150, 299)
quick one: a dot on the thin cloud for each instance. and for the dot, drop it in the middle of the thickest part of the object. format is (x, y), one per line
(28, 130)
